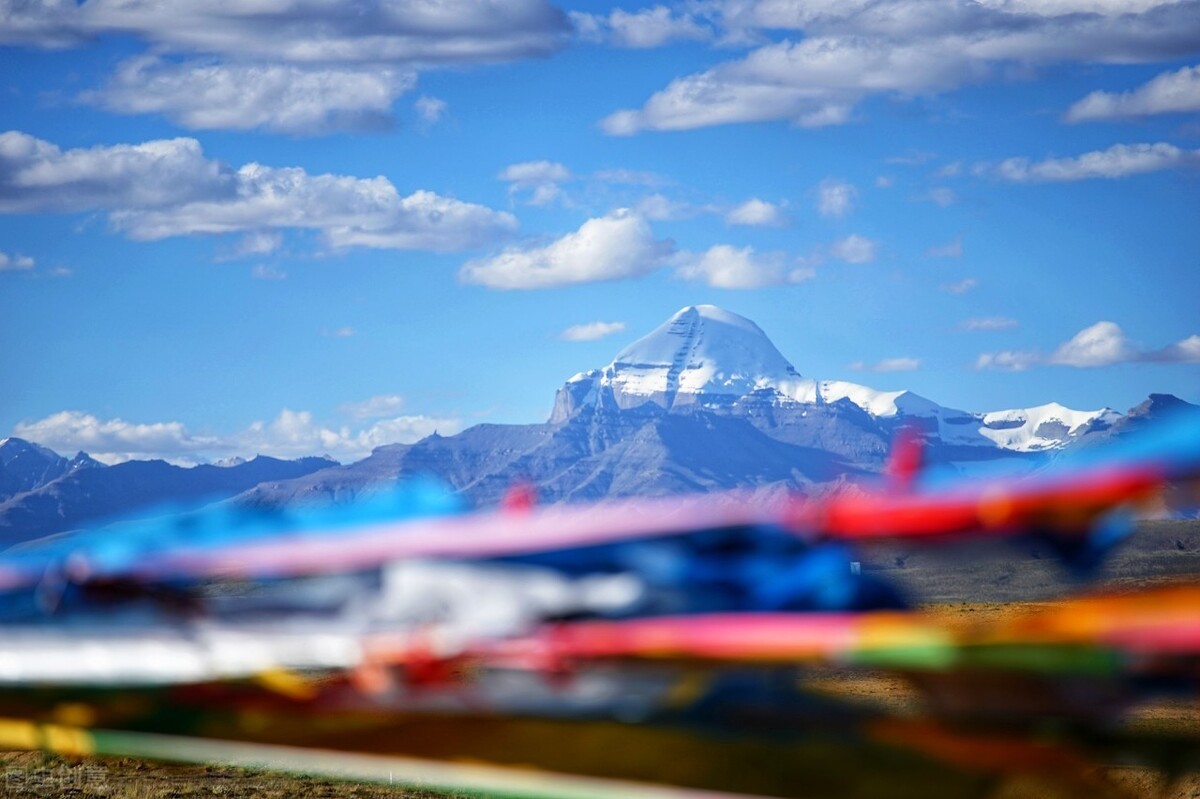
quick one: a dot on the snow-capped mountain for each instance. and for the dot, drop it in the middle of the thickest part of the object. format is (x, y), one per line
(707, 358)
(703, 402)
(702, 355)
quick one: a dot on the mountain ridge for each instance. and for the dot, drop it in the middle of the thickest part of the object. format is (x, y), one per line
(703, 402)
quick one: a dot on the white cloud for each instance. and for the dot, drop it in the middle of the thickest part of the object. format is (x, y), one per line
(660, 208)
(430, 110)
(900, 48)
(1183, 351)
(943, 196)
(1169, 93)
(306, 31)
(532, 173)
(294, 434)
(884, 182)
(633, 177)
(898, 365)
(1117, 161)
(299, 66)
(961, 287)
(854, 249)
(268, 272)
(291, 434)
(902, 364)
(36, 176)
(619, 245)
(648, 27)
(727, 267)
(339, 332)
(14, 262)
(113, 440)
(1102, 344)
(44, 23)
(277, 97)
(951, 249)
(258, 242)
(540, 180)
(374, 407)
(835, 198)
(1007, 361)
(989, 323)
(757, 213)
(591, 331)
(164, 188)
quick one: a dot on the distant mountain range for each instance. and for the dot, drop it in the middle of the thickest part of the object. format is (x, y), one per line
(41, 492)
(703, 402)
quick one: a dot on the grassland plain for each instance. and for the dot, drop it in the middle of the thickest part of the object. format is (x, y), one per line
(963, 584)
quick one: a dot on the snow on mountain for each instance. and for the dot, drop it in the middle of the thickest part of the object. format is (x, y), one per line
(878, 403)
(1044, 427)
(701, 352)
(225, 463)
(707, 357)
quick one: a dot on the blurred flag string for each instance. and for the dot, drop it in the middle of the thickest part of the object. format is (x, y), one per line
(716, 645)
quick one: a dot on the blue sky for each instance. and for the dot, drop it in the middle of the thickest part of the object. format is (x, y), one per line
(318, 228)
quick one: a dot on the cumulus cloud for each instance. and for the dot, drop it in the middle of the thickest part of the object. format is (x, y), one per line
(619, 245)
(951, 249)
(15, 262)
(727, 267)
(1169, 93)
(37, 176)
(298, 66)
(1118, 161)
(291, 434)
(44, 23)
(851, 50)
(757, 213)
(854, 249)
(294, 434)
(591, 331)
(1102, 344)
(539, 181)
(305, 31)
(835, 198)
(1183, 351)
(645, 28)
(113, 440)
(988, 323)
(164, 188)
(277, 97)
(902, 364)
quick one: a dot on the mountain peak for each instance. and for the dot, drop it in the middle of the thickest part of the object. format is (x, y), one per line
(700, 350)
(13, 447)
(701, 355)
